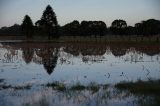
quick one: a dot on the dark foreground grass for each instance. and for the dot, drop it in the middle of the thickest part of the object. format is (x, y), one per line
(14, 87)
(3, 85)
(1, 80)
(77, 87)
(57, 86)
(92, 87)
(141, 87)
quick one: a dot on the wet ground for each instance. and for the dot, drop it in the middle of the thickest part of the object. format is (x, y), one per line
(75, 74)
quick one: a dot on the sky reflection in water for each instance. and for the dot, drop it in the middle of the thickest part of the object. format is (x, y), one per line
(36, 64)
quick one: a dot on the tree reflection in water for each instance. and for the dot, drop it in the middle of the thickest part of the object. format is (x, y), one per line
(49, 58)
(47, 53)
(27, 54)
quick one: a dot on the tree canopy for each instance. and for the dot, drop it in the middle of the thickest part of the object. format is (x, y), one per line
(119, 24)
(118, 27)
(48, 26)
(27, 26)
(72, 28)
(49, 17)
(48, 22)
(148, 27)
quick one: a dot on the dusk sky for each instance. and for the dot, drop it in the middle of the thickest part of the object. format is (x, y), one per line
(133, 11)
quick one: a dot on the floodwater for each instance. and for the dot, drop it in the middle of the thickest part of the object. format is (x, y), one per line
(26, 69)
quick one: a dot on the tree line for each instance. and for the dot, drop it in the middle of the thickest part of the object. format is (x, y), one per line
(48, 26)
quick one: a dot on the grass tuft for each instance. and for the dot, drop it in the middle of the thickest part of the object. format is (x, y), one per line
(57, 86)
(78, 86)
(142, 87)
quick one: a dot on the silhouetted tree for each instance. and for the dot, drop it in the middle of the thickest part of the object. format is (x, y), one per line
(118, 27)
(27, 26)
(95, 28)
(49, 22)
(138, 28)
(49, 25)
(149, 27)
(98, 28)
(85, 30)
(129, 30)
(72, 28)
(13, 30)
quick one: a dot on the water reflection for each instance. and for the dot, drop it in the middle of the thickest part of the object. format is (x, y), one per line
(32, 65)
(48, 53)
(27, 54)
(49, 97)
(49, 58)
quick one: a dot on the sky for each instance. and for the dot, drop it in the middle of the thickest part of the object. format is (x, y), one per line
(132, 11)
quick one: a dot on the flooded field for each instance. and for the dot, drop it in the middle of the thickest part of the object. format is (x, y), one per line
(77, 74)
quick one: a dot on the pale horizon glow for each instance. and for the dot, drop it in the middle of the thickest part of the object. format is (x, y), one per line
(132, 11)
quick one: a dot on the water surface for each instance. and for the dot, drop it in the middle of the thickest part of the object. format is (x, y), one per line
(36, 64)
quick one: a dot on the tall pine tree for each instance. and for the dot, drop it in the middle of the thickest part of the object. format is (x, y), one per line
(27, 26)
(49, 21)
